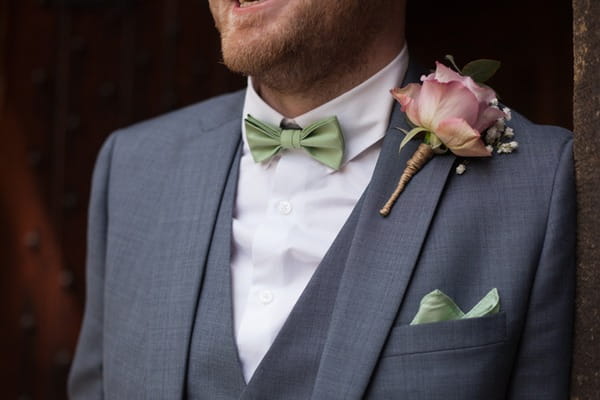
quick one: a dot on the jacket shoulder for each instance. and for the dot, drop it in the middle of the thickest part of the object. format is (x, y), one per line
(148, 149)
(540, 137)
(180, 124)
(540, 150)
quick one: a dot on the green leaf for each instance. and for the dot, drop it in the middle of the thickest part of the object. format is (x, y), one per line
(435, 141)
(409, 135)
(450, 58)
(481, 70)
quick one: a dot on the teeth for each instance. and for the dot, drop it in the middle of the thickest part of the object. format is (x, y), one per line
(247, 3)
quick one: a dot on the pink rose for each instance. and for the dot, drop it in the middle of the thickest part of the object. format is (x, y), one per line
(452, 107)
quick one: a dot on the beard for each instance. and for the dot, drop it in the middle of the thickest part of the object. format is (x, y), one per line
(304, 48)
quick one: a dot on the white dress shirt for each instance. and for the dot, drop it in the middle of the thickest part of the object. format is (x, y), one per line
(289, 210)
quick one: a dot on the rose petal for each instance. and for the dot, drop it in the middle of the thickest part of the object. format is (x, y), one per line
(406, 93)
(429, 77)
(445, 74)
(441, 101)
(407, 96)
(461, 138)
(487, 116)
(484, 94)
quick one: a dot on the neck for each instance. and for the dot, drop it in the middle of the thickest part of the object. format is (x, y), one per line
(298, 98)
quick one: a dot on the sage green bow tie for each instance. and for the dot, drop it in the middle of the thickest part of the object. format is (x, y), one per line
(323, 140)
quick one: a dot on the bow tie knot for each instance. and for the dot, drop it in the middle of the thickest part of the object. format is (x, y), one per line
(291, 138)
(323, 140)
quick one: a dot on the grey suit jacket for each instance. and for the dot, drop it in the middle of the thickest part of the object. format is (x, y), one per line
(507, 223)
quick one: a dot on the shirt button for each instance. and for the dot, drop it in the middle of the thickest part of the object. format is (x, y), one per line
(284, 207)
(265, 296)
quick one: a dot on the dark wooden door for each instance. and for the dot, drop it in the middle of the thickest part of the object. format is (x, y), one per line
(72, 71)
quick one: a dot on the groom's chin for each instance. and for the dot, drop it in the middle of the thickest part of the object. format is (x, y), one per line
(249, 57)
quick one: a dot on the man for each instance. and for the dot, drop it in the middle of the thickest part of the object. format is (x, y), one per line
(213, 276)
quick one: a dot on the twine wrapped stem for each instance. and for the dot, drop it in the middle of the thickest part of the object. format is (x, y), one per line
(422, 155)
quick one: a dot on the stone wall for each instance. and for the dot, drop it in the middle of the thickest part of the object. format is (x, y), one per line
(586, 121)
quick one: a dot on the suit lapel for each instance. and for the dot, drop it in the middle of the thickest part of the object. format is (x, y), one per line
(380, 264)
(187, 223)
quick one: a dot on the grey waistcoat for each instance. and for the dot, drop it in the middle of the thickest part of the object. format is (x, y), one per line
(289, 368)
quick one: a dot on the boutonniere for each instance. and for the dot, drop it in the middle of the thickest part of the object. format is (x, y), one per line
(454, 111)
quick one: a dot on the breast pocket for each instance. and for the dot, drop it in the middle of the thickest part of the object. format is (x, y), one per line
(446, 335)
(451, 360)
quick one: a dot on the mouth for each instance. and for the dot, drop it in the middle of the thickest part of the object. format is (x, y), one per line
(246, 8)
(249, 3)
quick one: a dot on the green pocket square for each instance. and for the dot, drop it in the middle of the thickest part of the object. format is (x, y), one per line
(437, 306)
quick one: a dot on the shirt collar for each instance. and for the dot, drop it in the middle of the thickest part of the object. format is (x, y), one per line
(363, 112)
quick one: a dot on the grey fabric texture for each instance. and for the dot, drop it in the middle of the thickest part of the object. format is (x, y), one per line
(508, 223)
(214, 371)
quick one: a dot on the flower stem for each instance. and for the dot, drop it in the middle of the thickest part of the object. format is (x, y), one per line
(421, 156)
